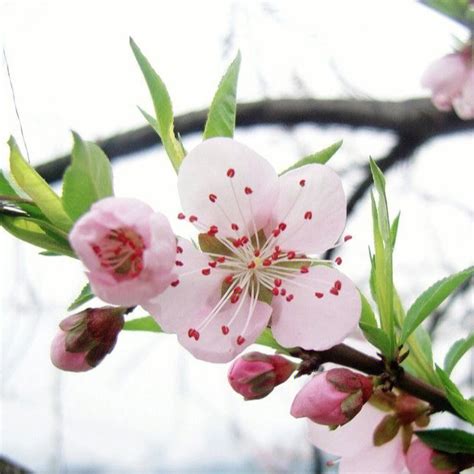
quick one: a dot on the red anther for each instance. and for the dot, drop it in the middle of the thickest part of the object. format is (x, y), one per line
(96, 249)
(291, 255)
(237, 243)
(276, 232)
(196, 335)
(234, 298)
(234, 227)
(206, 271)
(175, 283)
(248, 190)
(319, 294)
(231, 172)
(193, 218)
(225, 329)
(267, 262)
(277, 248)
(337, 285)
(338, 260)
(251, 265)
(282, 226)
(179, 263)
(283, 292)
(229, 279)
(212, 264)
(181, 216)
(256, 252)
(347, 237)
(244, 240)
(275, 291)
(277, 282)
(240, 340)
(179, 249)
(213, 230)
(289, 298)
(308, 215)
(275, 255)
(304, 269)
(302, 183)
(237, 290)
(221, 259)
(190, 332)
(334, 291)
(212, 197)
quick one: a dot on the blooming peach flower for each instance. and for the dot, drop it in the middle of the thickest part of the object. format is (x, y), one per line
(451, 80)
(128, 249)
(420, 460)
(257, 230)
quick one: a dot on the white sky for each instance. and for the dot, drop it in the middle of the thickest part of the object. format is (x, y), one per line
(150, 405)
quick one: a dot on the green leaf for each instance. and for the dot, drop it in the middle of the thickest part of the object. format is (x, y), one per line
(367, 315)
(85, 296)
(267, 339)
(164, 124)
(321, 157)
(448, 440)
(394, 231)
(87, 179)
(28, 230)
(376, 337)
(38, 189)
(221, 117)
(457, 350)
(458, 10)
(464, 407)
(429, 300)
(147, 323)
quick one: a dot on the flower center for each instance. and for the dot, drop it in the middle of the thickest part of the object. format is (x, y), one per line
(120, 252)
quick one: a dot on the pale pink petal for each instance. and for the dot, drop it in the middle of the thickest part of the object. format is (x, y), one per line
(242, 184)
(464, 103)
(191, 292)
(312, 204)
(419, 458)
(64, 360)
(213, 345)
(386, 459)
(311, 322)
(349, 439)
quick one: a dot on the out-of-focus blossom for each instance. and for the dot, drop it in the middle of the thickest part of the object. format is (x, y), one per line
(451, 80)
(421, 459)
(257, 230)
(255, 375)
(85, 338)
(333, 397)
(129, 250)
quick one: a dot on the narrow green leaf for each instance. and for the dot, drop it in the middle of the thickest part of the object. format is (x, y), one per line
(321, 157)
(394, 231)
(457, 350)
(87, 179)
(367, 315)
(384, 221)
(28, 230)
(221, 117)
(464, 407)
(376, 337)
(164, 124)
(147, 323)
(38, 189)
(429, 300)
(448, 440)
(84, 296)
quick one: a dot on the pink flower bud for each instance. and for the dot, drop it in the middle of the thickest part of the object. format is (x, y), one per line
(421, 459)
(255, 375)
(129, 250)
(333, 397)
(86, 338)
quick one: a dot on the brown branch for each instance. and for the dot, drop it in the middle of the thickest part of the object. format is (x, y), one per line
(414, 117)
(349, 357)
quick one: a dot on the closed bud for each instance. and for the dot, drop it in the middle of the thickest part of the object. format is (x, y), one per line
(255, 375)
(332, 398)
(421, 459)
(86, 338)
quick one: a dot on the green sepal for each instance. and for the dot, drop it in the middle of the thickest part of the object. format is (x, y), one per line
(386, 430)
(84, 296)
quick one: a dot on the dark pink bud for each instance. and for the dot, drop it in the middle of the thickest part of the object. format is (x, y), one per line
(86, 338)
(421, 459)
(333, 397)
(255, 375)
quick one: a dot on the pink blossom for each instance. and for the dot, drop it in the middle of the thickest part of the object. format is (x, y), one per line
(128, 249)
(255, 375)
(333, 397)
(451, 80)
(85, 338)
(420, 459)
(257, 230)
